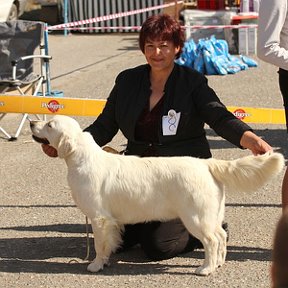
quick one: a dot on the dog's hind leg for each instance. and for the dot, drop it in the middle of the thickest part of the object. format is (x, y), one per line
(209, 240)
(221, 234)
(210, 244)
(107, 238)
(222, 246)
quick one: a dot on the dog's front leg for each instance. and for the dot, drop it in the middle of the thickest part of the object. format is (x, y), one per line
(106, 240)
(101, 249)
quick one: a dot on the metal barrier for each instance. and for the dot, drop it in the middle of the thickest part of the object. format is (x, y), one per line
(85, 9)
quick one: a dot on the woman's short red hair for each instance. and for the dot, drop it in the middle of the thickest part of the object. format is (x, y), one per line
(162, 27)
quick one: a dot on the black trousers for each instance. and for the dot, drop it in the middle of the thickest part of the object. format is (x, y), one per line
(159, 240)
(283, 84)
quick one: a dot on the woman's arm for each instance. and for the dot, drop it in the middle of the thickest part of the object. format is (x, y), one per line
(105, 127)
(272, 18)
(224, 123)
(254, 143)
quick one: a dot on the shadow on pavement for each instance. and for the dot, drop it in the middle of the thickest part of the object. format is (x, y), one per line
(41, 255)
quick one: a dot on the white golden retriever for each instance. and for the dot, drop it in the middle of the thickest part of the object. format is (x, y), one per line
(113, 190)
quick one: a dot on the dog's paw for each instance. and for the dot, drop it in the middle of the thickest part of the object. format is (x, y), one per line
(203, 271)
(96, 266)
(220, 262)
(221, 259)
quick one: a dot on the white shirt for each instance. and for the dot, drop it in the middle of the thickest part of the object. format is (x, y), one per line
(272, 44)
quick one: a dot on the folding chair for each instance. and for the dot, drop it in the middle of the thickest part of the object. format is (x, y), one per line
(18, 42)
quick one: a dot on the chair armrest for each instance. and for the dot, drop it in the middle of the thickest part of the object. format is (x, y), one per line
(23, 58)
(45, 58)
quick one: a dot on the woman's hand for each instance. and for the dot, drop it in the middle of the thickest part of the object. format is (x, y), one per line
(49, 150)
(254, 143)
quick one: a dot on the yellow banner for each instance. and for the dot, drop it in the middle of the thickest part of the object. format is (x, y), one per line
(51, 105)
(93, 107)
(259, 115)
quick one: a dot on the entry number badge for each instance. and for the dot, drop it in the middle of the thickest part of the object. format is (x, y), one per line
(170, 122)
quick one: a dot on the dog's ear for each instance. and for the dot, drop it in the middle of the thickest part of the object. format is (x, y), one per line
(65, 146)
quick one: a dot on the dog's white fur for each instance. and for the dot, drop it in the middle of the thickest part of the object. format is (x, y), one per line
(113, 190)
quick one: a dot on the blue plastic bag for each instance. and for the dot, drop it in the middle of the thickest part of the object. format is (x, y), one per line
(220, 46)
(188, 54)
(211, 57)
(209, 63)
(239, 62)
(250, 62)
(199, 63)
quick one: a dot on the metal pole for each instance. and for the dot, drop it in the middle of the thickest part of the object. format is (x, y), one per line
(65, 16)
(176, 10)
(48, 84)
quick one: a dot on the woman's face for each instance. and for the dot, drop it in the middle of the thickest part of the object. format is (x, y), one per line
(160, 55)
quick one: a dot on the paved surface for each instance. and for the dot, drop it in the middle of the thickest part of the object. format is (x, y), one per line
(42, 233)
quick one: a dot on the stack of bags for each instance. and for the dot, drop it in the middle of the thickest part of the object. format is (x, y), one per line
(211, 57)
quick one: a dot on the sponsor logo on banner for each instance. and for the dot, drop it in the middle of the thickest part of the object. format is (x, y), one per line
(53, 106)
(241, 114)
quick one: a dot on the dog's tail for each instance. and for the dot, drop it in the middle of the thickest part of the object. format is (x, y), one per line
(247, 173)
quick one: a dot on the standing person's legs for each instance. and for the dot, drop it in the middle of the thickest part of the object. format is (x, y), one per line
(283, 83)
(285, 190)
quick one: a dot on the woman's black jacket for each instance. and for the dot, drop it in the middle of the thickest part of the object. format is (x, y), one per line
(186, 91)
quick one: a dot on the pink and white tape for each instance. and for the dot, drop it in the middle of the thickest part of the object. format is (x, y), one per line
(109, 17)
(185, 27)
(221, 26)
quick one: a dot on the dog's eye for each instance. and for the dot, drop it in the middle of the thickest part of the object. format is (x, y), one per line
(49, 125)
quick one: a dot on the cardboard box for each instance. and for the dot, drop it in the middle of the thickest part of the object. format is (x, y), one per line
(209, 18)
(173, 11)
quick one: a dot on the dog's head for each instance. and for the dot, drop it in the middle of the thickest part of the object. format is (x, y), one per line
(61, 132)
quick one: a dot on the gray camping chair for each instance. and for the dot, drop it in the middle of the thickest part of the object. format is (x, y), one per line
(18, 42)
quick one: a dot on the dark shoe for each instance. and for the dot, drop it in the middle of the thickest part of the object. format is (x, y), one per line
(225, 227)
(194, 243)
(130, 237)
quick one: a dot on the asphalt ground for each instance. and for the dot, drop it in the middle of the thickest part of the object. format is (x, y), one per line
(42, 233)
